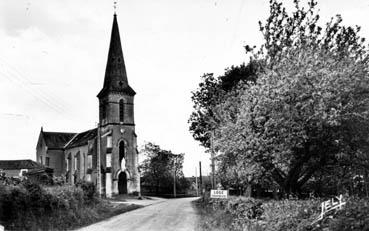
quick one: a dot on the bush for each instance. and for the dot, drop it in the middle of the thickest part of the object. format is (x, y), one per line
(25, 205)
(89, 190)
(289, 214)
(235, 213)
(239, 213)
(22, 206)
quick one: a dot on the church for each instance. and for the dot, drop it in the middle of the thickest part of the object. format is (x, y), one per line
(106, 155)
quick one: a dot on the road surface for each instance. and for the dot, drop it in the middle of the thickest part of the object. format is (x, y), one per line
(173, 215)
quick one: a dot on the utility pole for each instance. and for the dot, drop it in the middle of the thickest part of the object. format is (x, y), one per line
(99, 160)
(200, 178)
(174, 176)
(197, 186)
(212, 160)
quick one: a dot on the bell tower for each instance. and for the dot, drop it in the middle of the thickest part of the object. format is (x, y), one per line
(118, 140)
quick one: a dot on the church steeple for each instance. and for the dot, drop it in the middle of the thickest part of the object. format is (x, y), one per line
(115, 72)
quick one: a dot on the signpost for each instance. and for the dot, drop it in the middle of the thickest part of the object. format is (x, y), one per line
(223, 194)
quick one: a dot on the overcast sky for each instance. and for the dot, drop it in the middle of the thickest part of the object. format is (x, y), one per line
(53, 56)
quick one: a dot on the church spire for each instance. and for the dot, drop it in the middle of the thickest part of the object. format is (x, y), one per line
(115, 72)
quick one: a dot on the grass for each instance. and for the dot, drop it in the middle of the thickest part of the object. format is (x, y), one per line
(105, 210)
(85, 216)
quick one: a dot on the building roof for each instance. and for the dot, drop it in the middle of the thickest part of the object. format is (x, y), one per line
(57, 140)
(82, 138)
(19, 164)
(115, 73)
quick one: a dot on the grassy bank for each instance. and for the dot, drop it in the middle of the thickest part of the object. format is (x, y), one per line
(248, 214)
(28, 206)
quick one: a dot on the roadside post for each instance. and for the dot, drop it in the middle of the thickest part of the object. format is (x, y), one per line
(174, 176)
(202, 193)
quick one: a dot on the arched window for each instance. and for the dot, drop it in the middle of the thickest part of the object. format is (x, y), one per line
(121, 110)
(121, 151)
(69, 162)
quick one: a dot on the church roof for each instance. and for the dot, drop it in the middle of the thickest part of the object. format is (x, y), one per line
(82, 138)
(115, 72)
(57, 140)
(19, 164)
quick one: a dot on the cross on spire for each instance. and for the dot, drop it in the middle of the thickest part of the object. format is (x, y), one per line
(115, 7)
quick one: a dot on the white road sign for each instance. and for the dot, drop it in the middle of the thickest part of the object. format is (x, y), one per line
(219, 194)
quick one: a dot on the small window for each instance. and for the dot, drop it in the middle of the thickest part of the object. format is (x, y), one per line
(89, 161)
(23, 172)
(108, 160)
(121, 110)
(121, 151)
(75, 162)
(109, 142)
(47, 161)
(41, 160)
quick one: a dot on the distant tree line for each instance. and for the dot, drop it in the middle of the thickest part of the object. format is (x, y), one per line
(158, 170)
(295, 118)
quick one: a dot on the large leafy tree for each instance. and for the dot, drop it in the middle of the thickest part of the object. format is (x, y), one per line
(307, 111)
(211, 92)
(158, 167)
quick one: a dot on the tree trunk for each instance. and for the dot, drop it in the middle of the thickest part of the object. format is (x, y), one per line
(366, 183)
(248, 190)
(157, 188)
(275, 194)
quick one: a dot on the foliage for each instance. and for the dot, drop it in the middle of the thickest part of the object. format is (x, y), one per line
(158, 168)
(28, 206)
(302, 28)
(354, 216)
(304, 118)
(295, 121)
(239, 213)
(235, 213)
(289, 214)
(89, 190)
(212, 91)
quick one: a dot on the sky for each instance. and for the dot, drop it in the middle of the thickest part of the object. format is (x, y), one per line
(53, 57)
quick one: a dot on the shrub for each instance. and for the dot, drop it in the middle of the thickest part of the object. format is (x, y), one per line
(89, 190)
(234, 213)
(283, 215)
(28, 206)
(289, 214)
(22, 206)
(241, 213)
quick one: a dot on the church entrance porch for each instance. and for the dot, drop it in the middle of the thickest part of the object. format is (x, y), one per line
(122, 183)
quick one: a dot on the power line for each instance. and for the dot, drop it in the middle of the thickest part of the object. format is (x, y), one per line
(16, 78)
(26, 81)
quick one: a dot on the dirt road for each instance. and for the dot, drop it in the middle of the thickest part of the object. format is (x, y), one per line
(173, 215)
